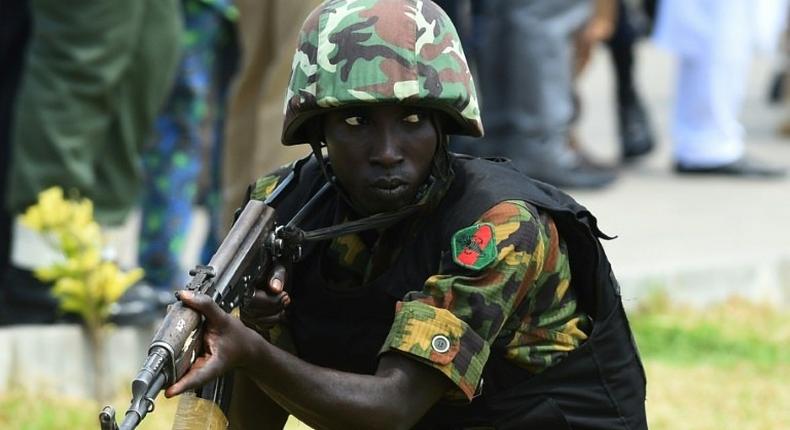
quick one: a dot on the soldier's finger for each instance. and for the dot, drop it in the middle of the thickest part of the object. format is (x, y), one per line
(203, 304)
(202, 371)
(277, 280)
(267, 303)
(285, 299)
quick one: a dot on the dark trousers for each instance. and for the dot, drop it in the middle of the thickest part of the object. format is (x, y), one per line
(14, 33)
(96, 74)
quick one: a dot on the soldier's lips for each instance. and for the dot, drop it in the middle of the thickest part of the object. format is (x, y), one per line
(389, 188)
(389, 183)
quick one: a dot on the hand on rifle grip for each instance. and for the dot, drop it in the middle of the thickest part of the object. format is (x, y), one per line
(226, 344)
(267, 305)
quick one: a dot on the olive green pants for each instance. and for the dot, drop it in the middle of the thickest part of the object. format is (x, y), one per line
(96, 74)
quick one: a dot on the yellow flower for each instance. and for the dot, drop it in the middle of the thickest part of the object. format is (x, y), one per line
(82, 212)
(54, 209)
(87, 260)
(83, 283)
(72, 295)
(50, 273)
(32, 218)
(79, 239)
(106, 283)
(51, 212)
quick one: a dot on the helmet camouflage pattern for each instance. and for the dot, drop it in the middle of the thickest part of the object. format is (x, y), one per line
(362, 52)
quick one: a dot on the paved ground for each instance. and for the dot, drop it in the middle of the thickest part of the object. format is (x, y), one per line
(702, 238)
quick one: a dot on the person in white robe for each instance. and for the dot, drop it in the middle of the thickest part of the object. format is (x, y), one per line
(715, 42)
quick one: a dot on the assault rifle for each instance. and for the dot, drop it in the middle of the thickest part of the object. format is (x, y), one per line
(242, 260)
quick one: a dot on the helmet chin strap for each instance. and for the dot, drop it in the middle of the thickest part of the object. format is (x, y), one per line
(442, 167)
(331, 179)
(316, 145)
(296, 236)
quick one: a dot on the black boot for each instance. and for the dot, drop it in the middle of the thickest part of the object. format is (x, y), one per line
(555, 163)
(578, 176)
(636, 135)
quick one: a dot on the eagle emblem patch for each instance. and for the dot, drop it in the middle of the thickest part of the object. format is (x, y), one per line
(474, 247)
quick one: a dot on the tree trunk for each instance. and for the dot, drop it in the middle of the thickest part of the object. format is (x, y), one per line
(96, 337)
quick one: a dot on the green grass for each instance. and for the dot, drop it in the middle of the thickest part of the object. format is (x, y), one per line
(726, 335)
(25, 412)
(724, 367)
(22, 410)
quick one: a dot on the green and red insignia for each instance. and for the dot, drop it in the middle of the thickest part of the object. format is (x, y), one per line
(474, 247)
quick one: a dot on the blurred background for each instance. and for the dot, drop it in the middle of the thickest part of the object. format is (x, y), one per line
(669, 121)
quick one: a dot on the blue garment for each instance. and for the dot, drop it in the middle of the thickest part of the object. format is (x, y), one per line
(187, 132)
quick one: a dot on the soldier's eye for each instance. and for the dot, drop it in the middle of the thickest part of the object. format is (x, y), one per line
(413, 118)
(355, 120)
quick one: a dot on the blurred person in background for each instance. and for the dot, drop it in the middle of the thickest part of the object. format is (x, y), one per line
(633, 122)
(14, 34)
(619, 25)
(267, 32)
(525, 69)
(95, 76)
(186, 146)
(778, 89)
(714, 42)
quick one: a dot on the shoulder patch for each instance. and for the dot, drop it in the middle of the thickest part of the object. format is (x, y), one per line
(474, 247)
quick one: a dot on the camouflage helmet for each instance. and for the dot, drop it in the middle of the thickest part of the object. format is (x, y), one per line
(363, 52)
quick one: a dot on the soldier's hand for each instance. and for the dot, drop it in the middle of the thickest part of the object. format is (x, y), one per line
(267, 305)
(227, 344)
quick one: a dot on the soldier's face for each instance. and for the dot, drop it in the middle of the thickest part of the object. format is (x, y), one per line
(381, 155)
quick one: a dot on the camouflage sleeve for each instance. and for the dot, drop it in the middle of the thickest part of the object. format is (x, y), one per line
(265, 185)
(451, 323)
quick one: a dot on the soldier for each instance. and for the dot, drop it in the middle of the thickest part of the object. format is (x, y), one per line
(454, 293)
